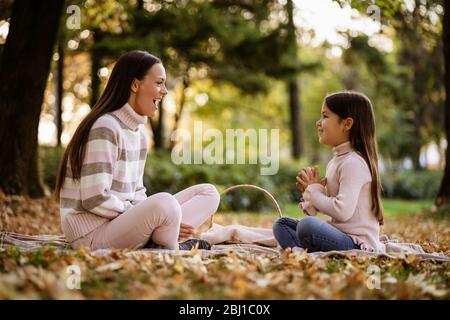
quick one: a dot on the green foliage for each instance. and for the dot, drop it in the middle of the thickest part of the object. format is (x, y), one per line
(161, 174)
(409, 184)
(235, 57)
(48, 164)
(233, 40)
(405, 83)
(232, 55)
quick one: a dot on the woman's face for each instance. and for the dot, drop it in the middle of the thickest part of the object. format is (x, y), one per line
(149, 91)
(332, 130)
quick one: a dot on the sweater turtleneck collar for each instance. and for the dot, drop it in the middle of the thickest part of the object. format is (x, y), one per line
(343, 148)
(129, 117)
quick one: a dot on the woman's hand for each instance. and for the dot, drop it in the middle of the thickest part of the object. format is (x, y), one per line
(186, 231)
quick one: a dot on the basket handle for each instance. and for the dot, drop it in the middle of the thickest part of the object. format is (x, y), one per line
(211, 221)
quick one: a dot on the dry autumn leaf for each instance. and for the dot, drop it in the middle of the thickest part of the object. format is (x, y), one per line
(126, 274)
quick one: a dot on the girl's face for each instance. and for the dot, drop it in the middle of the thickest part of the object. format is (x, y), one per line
(332, 130)
(146, 94)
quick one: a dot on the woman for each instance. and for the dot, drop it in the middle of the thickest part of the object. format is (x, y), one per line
(100, 179)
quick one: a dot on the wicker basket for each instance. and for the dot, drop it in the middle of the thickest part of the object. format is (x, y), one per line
(211, 221)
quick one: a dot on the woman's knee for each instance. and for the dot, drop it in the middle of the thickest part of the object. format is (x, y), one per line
(211, 191)
(164, 206)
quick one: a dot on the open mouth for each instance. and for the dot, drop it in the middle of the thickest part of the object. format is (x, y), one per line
(156, 103)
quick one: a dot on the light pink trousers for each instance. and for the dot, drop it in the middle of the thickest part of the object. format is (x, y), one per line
(157, 218)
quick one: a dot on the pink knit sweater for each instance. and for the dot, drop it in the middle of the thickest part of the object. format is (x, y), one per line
(347, 198)
(111, 176)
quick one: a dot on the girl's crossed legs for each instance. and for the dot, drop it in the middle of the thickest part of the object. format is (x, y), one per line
(312, 234)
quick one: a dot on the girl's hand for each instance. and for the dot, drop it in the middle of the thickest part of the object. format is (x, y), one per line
(186, 231)
(300, 186)
(309, 176)
(303, 178)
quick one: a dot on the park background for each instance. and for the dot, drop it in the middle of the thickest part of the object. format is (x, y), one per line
(233, 64)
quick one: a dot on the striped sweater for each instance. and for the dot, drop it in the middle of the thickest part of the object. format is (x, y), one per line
(111, 176)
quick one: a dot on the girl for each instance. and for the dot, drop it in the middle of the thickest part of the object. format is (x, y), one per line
(100, 178)
(351, 192)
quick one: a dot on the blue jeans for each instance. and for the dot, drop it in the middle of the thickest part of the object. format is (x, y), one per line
(312, 234)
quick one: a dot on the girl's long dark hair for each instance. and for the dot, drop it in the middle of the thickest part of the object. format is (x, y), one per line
(355, 105)
(132, 65)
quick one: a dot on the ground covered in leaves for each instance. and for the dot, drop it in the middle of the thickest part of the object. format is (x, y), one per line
(121, 274)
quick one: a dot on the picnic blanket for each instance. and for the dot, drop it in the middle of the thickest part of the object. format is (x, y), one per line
(225, 239)
(27, 243)
(239, 234)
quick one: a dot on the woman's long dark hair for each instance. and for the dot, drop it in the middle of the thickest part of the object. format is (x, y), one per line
(355, 105)
(132, 65)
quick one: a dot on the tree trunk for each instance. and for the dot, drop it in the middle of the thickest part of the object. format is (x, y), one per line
(95, 80)
(59, 90)
(443, 198)
(294, 108)
(416, 56)
(293, 88)
(96, 57)
(417, 145)
(24, 68)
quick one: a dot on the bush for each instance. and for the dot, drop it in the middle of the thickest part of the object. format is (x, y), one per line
(161, 174)
(409, 184)
(48, 160)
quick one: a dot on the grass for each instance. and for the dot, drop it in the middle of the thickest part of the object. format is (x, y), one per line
(395, 207)
(392, 207)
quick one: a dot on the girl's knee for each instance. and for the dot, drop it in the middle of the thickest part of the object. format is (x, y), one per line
(276, 227)
(279, 222)
(307, 226)
(279, 225)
